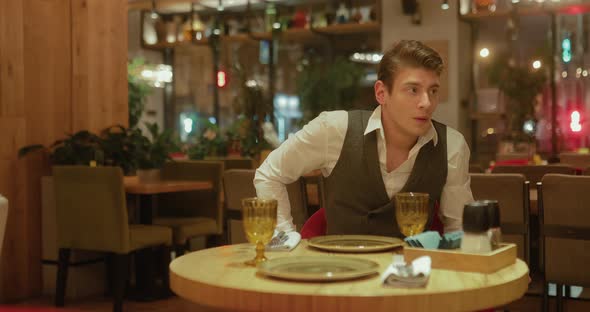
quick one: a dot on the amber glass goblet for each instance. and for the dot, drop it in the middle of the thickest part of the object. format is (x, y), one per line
(260, 219)
(411, 212)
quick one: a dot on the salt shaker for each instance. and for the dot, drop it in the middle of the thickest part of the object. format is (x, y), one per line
(494, 233)
(476, 223)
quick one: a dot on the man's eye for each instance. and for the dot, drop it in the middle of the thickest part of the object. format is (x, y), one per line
(413, 90)
(434, 91)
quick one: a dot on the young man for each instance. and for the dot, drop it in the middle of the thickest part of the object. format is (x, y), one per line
(367, 157)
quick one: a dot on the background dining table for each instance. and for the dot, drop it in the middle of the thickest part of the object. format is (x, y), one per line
(146, 202)
(218, 278)
(133, 186)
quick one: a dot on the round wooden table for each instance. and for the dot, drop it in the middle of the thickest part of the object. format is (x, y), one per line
(218, 278)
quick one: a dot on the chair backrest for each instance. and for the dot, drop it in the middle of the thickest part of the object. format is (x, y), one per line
(565, 229)
(511, 192)
(298, 200)
(475, 168)
(533, 173)
(90, 208)
(195, 203)
(3, 219)
(512, 156)
(576, 160)
(238, 163)
(239, 183)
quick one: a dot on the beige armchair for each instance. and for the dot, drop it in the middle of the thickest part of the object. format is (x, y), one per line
(238, 184)
(512, 193)
(92, 215)
(196, 213)
(565, 231)
(533, 173)
(576, 160)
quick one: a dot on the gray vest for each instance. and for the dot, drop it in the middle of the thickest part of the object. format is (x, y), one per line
(356, 198)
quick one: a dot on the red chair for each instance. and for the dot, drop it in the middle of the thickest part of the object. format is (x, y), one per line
(316, 224)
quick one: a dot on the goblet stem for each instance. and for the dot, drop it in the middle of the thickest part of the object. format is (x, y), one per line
(259, 255)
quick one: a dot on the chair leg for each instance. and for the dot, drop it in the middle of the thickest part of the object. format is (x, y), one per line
(108, 269)
(213, 241)
(165, 264)
(559, 297)
(62, 276)
(179, 250)
(545, 302)
(227, 232)
(121, 273)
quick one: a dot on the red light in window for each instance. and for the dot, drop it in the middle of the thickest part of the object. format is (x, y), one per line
(575, 121)
(221, 79)
(575, 9)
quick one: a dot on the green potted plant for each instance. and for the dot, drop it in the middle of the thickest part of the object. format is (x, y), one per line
(120, 148)
(151, 153)
(322, 86)
(251, 145)
(521, 85)
(138, 90)
(209, 144)
(81, 148)
(252, 107)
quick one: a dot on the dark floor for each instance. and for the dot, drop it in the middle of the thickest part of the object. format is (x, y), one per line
(531, 302)
(97, 304)
(527, 303)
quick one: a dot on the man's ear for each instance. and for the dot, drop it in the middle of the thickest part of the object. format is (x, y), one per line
(380, 92)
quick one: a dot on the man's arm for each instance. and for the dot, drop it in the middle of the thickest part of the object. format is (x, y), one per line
(301, 153)
(457, 190)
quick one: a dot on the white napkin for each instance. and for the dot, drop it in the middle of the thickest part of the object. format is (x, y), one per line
(284, 242)
(398, 274)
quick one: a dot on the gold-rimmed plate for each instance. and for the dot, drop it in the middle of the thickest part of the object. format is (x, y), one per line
(317, 268)
(355, 243)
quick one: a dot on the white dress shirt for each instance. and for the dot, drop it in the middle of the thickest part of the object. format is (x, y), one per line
(318, 146)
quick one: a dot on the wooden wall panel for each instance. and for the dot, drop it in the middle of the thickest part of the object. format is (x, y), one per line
(62, 69)
(12, 127)
(99, 38)
(13, 131)
(36, 81)
(47, 59)
(11, 59)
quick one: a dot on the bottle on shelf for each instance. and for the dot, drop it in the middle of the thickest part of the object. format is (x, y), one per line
(342, 14)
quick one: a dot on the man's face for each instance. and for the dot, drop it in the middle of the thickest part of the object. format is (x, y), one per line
(408, 106)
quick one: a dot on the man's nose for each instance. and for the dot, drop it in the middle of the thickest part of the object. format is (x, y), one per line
(425, 102)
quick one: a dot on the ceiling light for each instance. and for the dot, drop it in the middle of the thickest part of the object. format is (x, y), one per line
(484, 52)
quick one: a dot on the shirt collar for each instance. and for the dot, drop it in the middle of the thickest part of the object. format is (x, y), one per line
(374, 123)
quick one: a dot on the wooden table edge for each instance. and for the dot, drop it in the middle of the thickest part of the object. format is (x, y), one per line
(246, 300)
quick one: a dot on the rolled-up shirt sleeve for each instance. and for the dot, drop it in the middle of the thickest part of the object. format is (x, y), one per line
(457, 190)
(301, 153)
